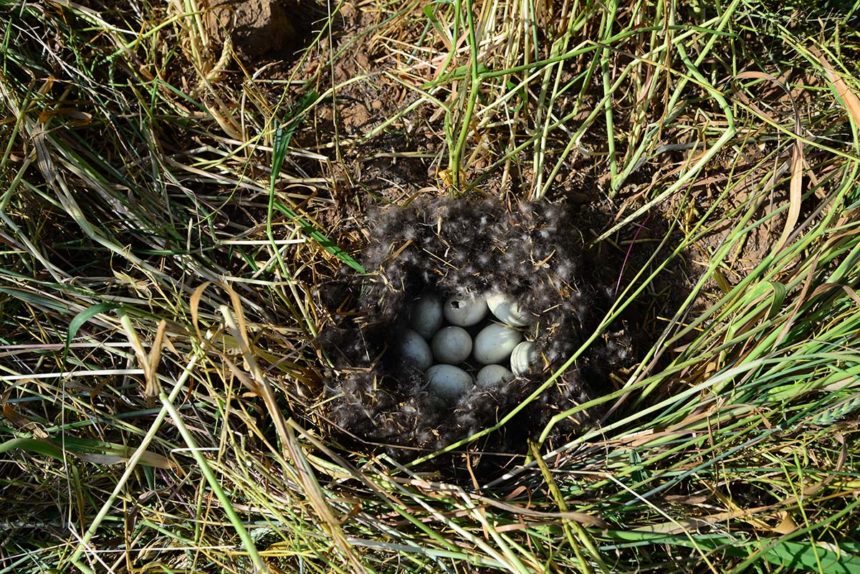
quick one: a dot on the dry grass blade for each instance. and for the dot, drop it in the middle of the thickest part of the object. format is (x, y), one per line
(257, 383)
(144, 359)
(796, 160)
(311, 488)
(794, 196)
(151, 150)
(845, 93)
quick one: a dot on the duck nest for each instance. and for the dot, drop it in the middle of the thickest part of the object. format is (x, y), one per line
(465, 250)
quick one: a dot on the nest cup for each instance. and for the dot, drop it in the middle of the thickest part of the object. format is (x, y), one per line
(460, 249)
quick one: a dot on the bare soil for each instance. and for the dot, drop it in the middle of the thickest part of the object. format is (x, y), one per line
(256, 28)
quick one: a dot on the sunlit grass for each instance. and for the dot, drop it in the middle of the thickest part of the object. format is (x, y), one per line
(167, 217)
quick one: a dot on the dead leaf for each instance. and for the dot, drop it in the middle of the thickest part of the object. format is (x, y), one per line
(795, 194)
(852, 293)
(693, 524)
(797, 162)
(194, 303)
(580, 517)
(22, 422)
(151, 387)
(155, 359)
(852, 103)
(686, 499)
(786, 525)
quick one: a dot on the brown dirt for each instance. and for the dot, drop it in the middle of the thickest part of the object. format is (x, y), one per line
(256, 28)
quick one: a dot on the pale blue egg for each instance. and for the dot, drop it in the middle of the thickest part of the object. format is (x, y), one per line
(426, 316)
(507, 310)
(524, 357)
(448, 382)
(492, 375)
(451, 345)
(414, 349)
(495, 343)
(464, 312)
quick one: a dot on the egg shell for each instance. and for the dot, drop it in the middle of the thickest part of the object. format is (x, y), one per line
(415, 350)
(448, 382)
(524, 357)
(426, 316)
(506, 309)
(451, 345)
(495, 343)
(492, 375)
(465, 312)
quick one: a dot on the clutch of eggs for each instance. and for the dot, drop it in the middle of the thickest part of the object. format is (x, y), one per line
(439, 343)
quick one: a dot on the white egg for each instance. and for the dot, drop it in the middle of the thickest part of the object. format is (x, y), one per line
(451, 345)
(491, 375)
(524, 357)
(465, 312)
(414, 349)
(426, 316)
(495, 343)
(449, 382)
(507, 310)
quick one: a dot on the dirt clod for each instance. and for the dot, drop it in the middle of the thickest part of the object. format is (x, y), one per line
(255, 27)
(354, 117)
